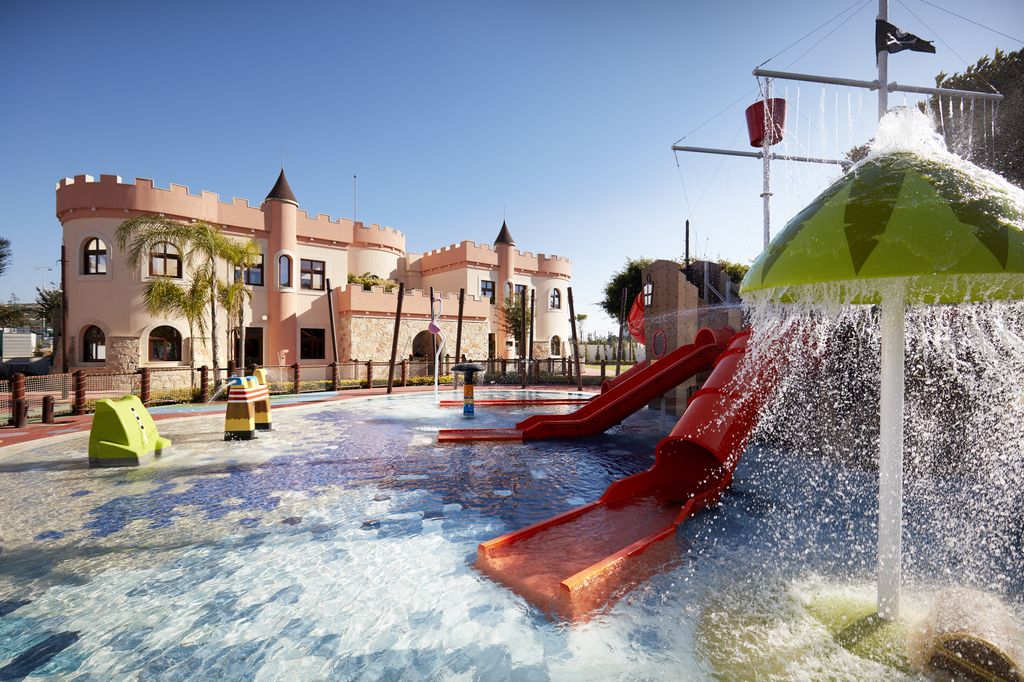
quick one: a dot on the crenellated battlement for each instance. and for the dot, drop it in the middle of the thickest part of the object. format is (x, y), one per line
(107, 181)
(355, 300)
(110, 196)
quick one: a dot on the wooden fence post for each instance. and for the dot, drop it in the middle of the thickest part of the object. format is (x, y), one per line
(369, 373)
(144, 385)
(47, 409)
(78, 389)
(405, 372)
(335, 384)
(296, 378)
(394, 340)
(18, 387)
(20, 413)
(204, 384)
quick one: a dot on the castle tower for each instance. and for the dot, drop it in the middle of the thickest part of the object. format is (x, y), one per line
(279, 215)
(506, 248)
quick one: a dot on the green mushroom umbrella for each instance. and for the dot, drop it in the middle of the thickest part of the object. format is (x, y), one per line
(902, 228)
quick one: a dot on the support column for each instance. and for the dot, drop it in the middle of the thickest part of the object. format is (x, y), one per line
(890, 464)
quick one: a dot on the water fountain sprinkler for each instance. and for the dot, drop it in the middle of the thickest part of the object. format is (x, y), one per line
(910, 225)
(470, 370)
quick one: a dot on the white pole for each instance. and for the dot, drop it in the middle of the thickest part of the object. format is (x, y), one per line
(766, 192)
(883, 65)
(890, 460)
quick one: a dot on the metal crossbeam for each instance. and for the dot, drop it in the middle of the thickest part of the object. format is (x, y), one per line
(873, 85)
(759, 155)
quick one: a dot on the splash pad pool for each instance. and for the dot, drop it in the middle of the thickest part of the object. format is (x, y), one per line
(341, 546)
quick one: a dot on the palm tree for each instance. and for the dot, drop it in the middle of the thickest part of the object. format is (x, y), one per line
(234, 296)
(165, 297)
(200, 244)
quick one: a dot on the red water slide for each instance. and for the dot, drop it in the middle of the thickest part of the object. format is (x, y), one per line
(629, 393)
(575, 562)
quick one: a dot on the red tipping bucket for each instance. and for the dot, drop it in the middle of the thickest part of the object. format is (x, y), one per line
(757, 123)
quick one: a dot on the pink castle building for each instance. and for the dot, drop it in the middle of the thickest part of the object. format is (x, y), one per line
(289, 321)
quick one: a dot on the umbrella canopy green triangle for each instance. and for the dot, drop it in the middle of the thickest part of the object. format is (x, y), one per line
(939, 232)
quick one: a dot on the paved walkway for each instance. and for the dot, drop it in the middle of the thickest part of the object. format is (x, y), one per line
(71, 424)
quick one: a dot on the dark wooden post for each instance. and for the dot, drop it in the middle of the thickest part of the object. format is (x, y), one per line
(296, 378)
(232, 368)
(504, 366)
(369, 373)
(20, 413)
(522, 340)
(604, 370)
(63, 309)
(18, 387)
(529, 348)
(622, 323)
(145, 383)
(78, 389)
(394, 340)
(405, 372)
(330, 312)
(575, 341)
(335, 385)
(458, 328)
(204, 384)
(47, 409)
(19, 406)
(563, 365)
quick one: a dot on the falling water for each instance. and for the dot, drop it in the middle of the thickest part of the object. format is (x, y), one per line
(818, 439)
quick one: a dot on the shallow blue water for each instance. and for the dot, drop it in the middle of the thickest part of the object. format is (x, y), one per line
(340, 546)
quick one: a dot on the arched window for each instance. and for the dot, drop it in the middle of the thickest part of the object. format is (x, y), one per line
(165, 344)
(94, 345)
(556, 345)
(284, 270)
(165, 261)
(95, 257)
(556, 300)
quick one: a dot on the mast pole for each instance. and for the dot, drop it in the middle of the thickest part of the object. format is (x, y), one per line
(883, 65)
(769, 130)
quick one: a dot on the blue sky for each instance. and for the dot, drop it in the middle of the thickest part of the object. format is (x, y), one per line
(559, 114)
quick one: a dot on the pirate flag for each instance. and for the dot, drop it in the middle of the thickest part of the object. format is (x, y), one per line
(890, 39)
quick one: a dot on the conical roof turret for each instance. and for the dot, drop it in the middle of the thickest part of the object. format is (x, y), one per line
(282, 191)
(504, 237)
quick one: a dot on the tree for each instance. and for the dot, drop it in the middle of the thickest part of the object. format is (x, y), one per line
(580, 319)
(630, 277)
(512, 321)
(201, 245)
(48, 302)
(233, 297)
(240, 255)
(11, 314)
(969, 129)
(367, 281)
(736, 271)
(5, 254)
(163, 296)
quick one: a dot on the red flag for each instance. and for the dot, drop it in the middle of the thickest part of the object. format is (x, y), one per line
(635, 319)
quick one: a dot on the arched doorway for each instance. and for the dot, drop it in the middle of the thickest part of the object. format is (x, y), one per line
(423, 349)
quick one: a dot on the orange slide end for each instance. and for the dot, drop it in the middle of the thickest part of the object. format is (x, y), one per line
(574, 563)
